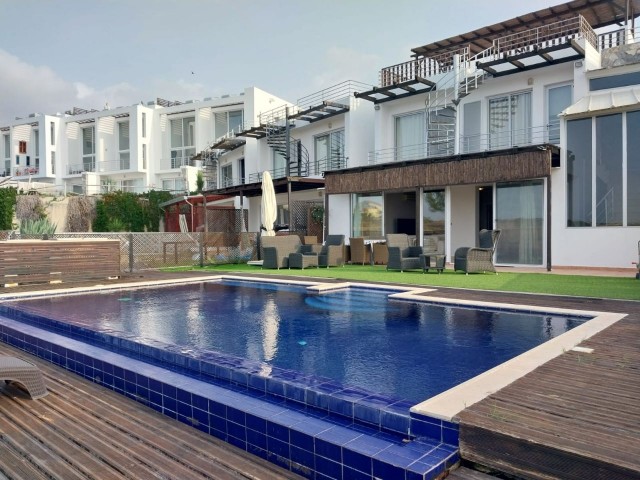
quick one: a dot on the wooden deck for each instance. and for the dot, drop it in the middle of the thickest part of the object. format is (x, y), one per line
(83, 431)
(575, 417)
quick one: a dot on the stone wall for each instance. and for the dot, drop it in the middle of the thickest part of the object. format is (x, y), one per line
(621, 55)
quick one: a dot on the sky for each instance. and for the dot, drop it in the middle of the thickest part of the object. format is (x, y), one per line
(56, 55)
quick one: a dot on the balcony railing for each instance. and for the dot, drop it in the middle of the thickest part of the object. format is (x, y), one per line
(617, 37)
(341, 93)
(114, 165)
(423, 67)
(78, 168)
(25, 171)
(177, 162)
(445, 146)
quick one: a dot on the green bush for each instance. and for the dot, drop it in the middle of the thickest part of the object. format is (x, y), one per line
(125, 211)
(39, 226)
(7, 207)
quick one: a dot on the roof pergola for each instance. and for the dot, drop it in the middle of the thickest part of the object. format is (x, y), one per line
(598, 13)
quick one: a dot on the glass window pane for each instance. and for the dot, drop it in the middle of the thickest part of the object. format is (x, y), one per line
(123, 135)
(558, 99)
(410, 136)
(367, 215)
(433, 220)
(322, 152)
(633, 169)
(609, 170)
(235, 120)
(499, 122)
(87, 141)
(176, 133)
(189, 125)
(519, 216)
(579, 173)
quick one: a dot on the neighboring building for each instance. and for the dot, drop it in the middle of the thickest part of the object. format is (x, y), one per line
(134, 148)
(327, 130)
(526, 126)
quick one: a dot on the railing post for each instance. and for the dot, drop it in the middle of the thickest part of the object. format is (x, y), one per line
(130, 252)
(201, 246)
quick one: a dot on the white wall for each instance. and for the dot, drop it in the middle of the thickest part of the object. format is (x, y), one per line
(340, 215)
(463, 228)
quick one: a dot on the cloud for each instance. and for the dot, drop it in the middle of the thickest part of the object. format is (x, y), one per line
(28, 89)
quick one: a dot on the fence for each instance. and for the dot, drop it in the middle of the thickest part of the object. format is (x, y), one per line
(145, 251)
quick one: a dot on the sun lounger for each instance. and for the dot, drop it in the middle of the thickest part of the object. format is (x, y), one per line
(13, 369)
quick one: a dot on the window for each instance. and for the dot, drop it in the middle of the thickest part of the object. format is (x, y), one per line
(173, 184)
(579, 169)
(144, 125)
(510, 120)
(633, 169)
(226, 122)
(7, 154)
(329, 152)
(53, 163)
(279, 164)
(52, 126)
(88, 149)
(608, 170)
(410, 138)
(123, 145)
(182, 141)
(520, 218)
(36, 140)
(22, 147)
(558, 98)
(433, 212)
(367, 215)
(144, 156)
(471, 128)
(614, 81)
(226, 172)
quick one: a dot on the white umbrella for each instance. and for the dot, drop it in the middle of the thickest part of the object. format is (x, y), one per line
(269, 208)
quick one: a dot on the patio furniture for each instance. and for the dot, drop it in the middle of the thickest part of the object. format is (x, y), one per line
(15, 370)
(332, 253)
(310, 244)
(403, 256)
(303, 260)
(426, 261)
(360, 253)
(480, 258)
(276, 250)
(380, 253)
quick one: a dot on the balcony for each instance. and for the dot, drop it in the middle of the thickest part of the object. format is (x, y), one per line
(177, 162)
(446, 146)
(88, 165)
(113, 166)
(24, 171)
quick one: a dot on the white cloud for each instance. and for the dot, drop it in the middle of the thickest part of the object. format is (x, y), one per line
(27, 89)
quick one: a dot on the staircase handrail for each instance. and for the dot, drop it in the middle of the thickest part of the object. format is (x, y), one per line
(340, 91)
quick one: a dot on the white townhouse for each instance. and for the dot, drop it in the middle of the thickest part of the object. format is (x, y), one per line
(132, 148)
(530, 126)
(297, 143)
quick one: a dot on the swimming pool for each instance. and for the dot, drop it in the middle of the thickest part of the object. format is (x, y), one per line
(306, 422)
(354, 336)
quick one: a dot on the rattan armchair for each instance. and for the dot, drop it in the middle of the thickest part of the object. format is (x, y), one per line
(402, 256)
(332, 253)
(480, 258)
(359, 251)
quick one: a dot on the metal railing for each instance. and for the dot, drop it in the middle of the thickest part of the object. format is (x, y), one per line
(114, 165)
(423, 67)
(340, 93)
(24, 171)
(78, 168)
(177, 162)
(616, 38)
(445, 146)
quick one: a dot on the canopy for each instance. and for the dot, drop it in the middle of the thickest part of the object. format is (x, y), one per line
(608, 100)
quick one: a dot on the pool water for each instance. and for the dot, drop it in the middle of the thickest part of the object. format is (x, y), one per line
(355, 336)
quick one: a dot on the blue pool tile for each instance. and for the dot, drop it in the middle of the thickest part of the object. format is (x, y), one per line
(170, 403)
(303, 457)
(275, 387)
(256, 423)
(236, 442)
(277, 431)
(256, 439)
(351, 474)
(237, 431)
(395, 421)
(217, 408)
(329, 468)
(451, 436)
(328, 449)
(277, 447)
(301, 440)
(258, 382)
(385, 470)
(426, 429)
(237, 416)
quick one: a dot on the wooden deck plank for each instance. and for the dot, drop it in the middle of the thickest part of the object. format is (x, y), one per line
(84, 431)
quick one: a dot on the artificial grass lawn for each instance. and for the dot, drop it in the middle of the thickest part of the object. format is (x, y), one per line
(573, 285)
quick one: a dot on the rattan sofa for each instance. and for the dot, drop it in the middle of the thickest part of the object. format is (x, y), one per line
(480, 258)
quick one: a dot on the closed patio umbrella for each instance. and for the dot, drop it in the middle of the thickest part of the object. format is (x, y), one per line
(269, 208)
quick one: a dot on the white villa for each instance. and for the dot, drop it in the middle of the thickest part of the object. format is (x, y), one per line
(528, 126)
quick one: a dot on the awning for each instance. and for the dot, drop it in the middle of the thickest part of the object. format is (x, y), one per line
(596, 102)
